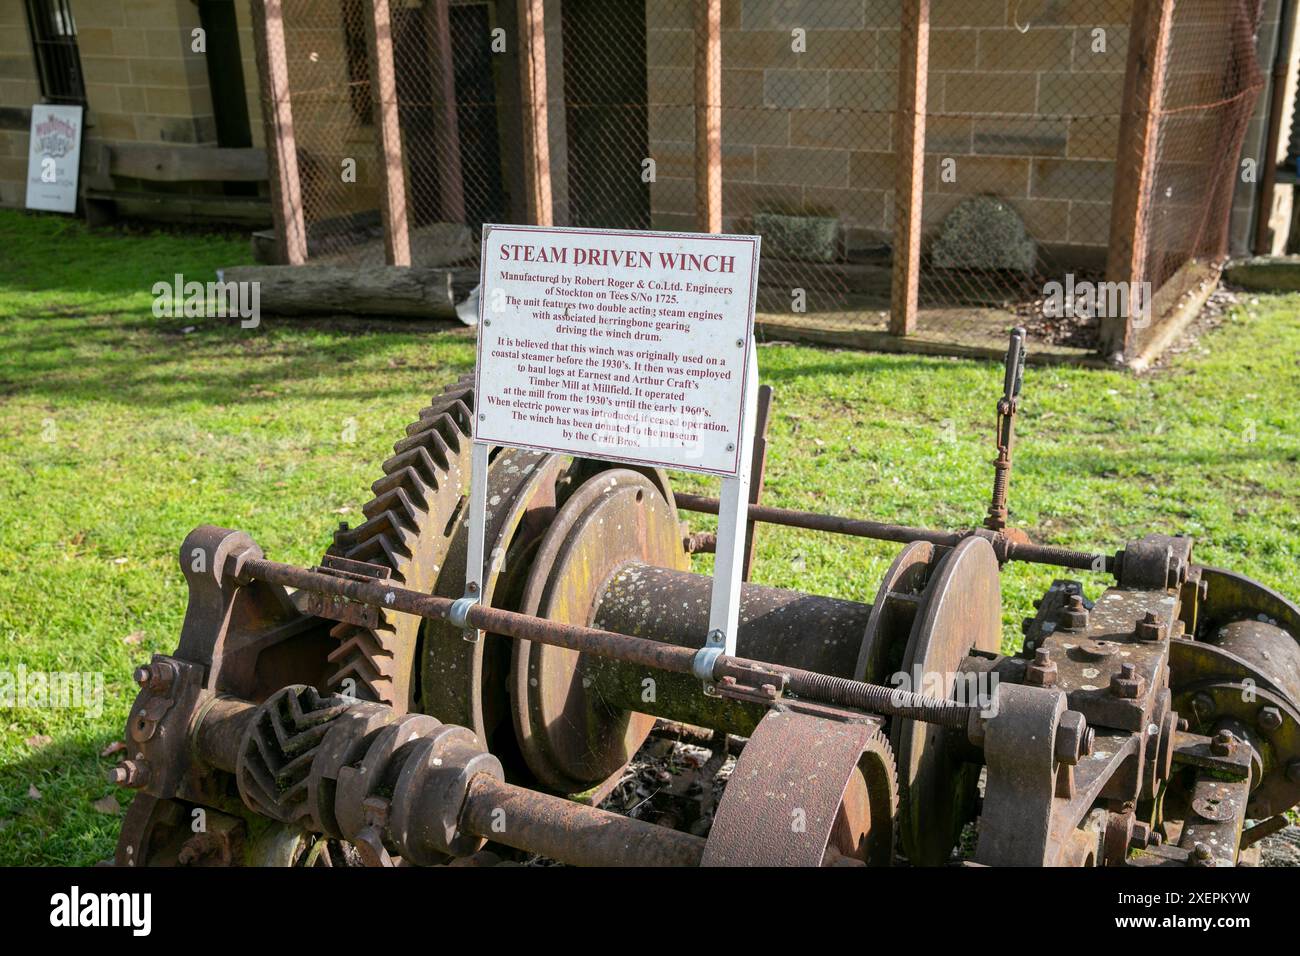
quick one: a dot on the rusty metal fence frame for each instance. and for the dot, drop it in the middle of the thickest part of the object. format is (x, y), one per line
(1150, 239)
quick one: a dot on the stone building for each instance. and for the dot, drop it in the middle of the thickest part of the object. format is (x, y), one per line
(1024, 105)
(140, 70)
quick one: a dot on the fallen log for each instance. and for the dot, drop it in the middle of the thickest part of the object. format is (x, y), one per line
(410, 292)
(1264, 273)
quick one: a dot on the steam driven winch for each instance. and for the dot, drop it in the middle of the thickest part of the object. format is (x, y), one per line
(338, 715)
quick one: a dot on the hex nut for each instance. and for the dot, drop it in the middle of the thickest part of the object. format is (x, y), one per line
(1151, 628)
(1223, 744)
(130, 773)
(1127, 684)
(1042, 671)
(1072, 734)
(1269, 719)
(157, 676)
(1074, 616)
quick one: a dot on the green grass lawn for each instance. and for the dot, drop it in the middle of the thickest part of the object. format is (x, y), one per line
(120, 432)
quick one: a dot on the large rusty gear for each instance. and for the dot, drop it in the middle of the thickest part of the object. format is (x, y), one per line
(407, 530)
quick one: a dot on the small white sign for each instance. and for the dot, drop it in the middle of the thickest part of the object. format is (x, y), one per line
(619, 345)
(54, 157)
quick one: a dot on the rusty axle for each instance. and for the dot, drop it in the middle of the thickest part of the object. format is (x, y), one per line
(883, 700)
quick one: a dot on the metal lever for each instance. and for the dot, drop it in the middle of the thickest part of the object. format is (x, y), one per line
(1007, 407)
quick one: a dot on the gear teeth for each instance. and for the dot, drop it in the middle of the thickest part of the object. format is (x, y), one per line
(406, 531)
(419, 461)
(277, 751)
(361, 645)
(410, 482)
(397, 503)
(381, 549)
(434, 437)
(386, 525)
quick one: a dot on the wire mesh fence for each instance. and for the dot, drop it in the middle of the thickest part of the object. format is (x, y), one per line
(1022, 130)
(1212, 80)
(1026, 109)
(336, 152)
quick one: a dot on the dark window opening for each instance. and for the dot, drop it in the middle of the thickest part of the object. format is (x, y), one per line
(357, 51)
(54, 43)
(53, 40)
(606, 112)
(476, 113)
(226, 83)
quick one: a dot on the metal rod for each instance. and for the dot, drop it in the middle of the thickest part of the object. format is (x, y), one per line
(859, 528)
(811, 521)
(878, 699)
(571, 832)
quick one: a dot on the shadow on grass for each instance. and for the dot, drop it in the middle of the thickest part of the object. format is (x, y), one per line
(154, 363)
(60, 826)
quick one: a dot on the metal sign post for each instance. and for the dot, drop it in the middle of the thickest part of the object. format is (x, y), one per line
(474, 576)
(729, 559)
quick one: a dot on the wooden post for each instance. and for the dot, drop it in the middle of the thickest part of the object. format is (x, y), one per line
(532, 82)
(708, 115)
(286, 191)
(909, 169)
(446, 130)
(388, 134)
(1130, 208)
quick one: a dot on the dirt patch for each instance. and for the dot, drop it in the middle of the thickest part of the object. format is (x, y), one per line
(1213, 314)
(1282, 848)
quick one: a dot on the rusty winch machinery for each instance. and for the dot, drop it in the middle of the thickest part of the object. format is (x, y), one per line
(362, 712)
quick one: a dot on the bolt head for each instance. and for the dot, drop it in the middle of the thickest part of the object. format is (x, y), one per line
(130, 773)
(1151, 628)
(1223, 744)
(1074, 616)
(1269, 718)
(1042, 672)
(1142, 833)
(1127, 684)
(141, 674)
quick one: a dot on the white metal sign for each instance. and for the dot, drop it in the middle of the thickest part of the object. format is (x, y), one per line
(625, 346)
(53, 158)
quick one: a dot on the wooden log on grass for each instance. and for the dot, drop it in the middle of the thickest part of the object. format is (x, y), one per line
(415, 292)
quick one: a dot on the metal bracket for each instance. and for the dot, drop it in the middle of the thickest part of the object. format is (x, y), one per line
(335, 608)
(729, 560)
(760, 685)
(474, 570)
